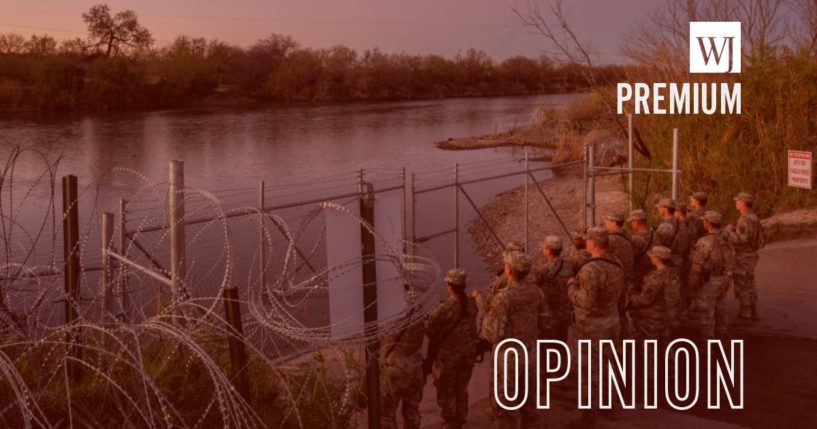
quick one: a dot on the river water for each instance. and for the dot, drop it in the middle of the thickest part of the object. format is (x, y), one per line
(297, 149)
(237, 147)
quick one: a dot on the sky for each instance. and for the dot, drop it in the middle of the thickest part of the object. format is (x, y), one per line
(412, 26)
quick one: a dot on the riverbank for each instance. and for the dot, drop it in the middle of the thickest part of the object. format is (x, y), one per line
(507, 213)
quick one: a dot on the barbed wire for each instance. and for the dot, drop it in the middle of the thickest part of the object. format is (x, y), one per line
(130, 350)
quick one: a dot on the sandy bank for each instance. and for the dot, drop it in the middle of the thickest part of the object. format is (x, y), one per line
(507, 212)
(529, 135)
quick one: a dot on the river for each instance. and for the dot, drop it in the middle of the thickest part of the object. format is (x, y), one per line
(297, 149)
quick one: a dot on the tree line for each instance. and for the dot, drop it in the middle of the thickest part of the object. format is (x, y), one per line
(118, 67)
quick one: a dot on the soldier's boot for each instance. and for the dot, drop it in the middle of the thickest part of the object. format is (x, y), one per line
(755, 316)
(586, 419)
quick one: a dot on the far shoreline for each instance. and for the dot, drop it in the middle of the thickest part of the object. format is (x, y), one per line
(242, 102)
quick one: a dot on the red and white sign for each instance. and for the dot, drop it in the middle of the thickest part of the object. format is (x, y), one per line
(800, 169)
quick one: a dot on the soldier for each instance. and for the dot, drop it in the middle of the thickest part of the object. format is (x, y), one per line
(707, 278)
(579, 255)
(730, 264)
(643, 239)
(595, 294)
(672, 233)
(691, 231)
(402, 368)
(697, 208)
(518, 311)
(659, 300)
(484, 302)
(748, 239)
(552, 276)
(452, 332)
(622, 248)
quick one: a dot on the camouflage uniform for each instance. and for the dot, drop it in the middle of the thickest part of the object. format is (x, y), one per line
(499, 283)
(501, 280)
(707, 280)
(622, 248)
(729, 260)
(748, 239)
(642, 241)
(455, 360)
(402, 376)
(518, 311)
(656, 304)
(673, 234)
(577, 258)
(552, 277)
(696, 216)
(595, 294)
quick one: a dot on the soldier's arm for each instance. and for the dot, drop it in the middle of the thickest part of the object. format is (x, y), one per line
(648, 293)
(638, 244)
(742, 232)
(496, 320)
(496, 284)
(483, 302)
(544, 319)
(663, 234)
(437, 318)
(697, 260)
(585, 294)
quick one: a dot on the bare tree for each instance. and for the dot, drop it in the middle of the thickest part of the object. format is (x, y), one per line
(555, 27)
(115, 34)
(41, 45)
(12, 43)
(806, 11)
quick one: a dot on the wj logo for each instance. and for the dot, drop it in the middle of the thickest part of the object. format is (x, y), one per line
(714, 47)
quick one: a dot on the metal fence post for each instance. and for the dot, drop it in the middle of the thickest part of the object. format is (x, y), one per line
(591, 161)
(403, 212)
(106, 283)
(675, 164)
(238, 352)
(456, 215)
(586, 185)
(70, 233)
(413, 215)
(527, 203)
(370, 306)
(177, 236)
(262, 277)
(630, 163)
(124, 304)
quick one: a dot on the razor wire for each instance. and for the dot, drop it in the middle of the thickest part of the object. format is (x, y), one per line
(136, 361)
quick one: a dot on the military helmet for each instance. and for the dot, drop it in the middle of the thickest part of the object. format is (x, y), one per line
(599, 235)
(514, 246)
(660, 252)
(638, 214)
(519, 261)
(455, 276)
(666, 202)
(745, 197)
(701, 196)
(553, 242)
(579, 234)
(713, 217)
(615, 216)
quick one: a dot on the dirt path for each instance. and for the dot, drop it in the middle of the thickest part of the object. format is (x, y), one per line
(781, 350)
(781, 360)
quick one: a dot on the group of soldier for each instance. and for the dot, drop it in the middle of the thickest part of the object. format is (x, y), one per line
(612, 283)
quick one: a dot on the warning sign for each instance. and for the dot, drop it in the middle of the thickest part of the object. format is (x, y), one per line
(800, 169)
